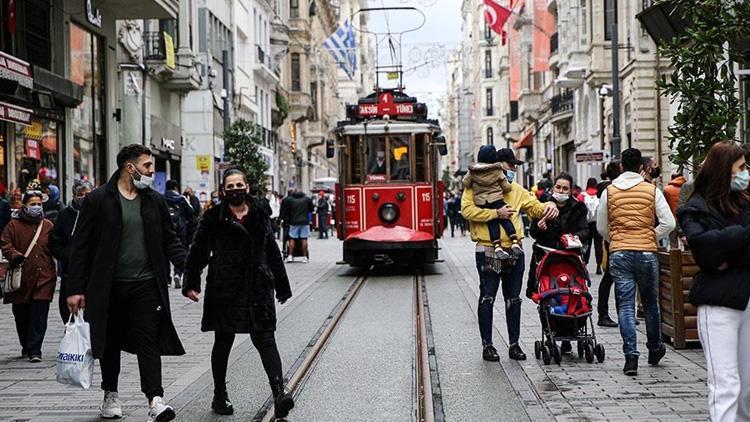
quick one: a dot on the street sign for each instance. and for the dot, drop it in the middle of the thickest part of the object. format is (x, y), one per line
(590, 157)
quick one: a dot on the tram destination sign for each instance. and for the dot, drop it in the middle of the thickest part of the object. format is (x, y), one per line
(386, 105)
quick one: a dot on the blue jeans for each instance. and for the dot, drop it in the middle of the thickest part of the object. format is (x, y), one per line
(628, 270)
(489, 283)
(494, 225)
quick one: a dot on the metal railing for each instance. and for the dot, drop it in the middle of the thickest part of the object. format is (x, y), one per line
(153, 46)
(260, 55)
(562, 102)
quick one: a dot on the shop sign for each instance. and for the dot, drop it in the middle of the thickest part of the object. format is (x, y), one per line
(169, 49)
(203, 162)
(32, 149)
(15, 114)
(166, 136)
(93, 15)
(590, 157)
(168, 144)
(16, 70)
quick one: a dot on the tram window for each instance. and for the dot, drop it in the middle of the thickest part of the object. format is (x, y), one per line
(421, 157)
(376, 159)
(353, 154)
(400, 163)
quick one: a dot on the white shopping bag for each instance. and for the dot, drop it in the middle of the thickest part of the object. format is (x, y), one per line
(75, 361)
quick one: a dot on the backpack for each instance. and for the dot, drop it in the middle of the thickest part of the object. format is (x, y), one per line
(175, 213)
(592, 205)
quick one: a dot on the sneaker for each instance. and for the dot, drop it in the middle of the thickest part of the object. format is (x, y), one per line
(289, 258)
(490, 354)
(517, 249)
(304, 260)
(221, 404)
(654, 356)
(631, 365)
(111, 407)
(35, 358)
(501, 254)
(606, 321)
(516, 353)
(160, 412)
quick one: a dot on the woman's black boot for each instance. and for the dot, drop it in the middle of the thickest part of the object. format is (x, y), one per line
(283, 401)
(221, 403)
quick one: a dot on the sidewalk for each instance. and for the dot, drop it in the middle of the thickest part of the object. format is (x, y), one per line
(575, 390)
(29, 391)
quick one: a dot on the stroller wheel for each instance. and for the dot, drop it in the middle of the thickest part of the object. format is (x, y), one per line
(556, 354)
(546, 356)
(537, 349)
(589, 352)
(580, 349)
(599, 352)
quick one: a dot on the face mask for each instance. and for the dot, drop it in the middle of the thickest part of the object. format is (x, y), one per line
(34, 211)
(561, 197)
(740, 181)
(510, 175)
(143, 182)
(235, 196)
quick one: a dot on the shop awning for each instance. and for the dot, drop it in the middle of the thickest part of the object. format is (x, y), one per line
(64, 91)
(526, 140)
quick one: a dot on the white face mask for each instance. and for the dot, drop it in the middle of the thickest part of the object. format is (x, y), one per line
(561, 197)
(143, 181)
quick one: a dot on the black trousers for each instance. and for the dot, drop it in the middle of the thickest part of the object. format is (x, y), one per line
(134, 315)
(605, 287)
(264, 342)
(594, 242)
(62, 301)
(31, 325)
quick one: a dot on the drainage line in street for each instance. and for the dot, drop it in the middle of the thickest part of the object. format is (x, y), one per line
(429, 394)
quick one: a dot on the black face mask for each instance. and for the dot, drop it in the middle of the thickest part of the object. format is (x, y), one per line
(235, 196)
(655, 172)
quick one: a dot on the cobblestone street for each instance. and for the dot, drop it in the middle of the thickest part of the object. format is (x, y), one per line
(574, 390)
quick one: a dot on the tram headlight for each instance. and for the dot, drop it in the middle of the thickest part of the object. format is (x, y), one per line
(388, 213)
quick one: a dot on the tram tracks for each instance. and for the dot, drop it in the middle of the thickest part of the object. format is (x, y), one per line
(427, 399)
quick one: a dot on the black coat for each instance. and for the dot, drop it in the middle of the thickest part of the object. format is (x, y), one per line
(722, 252)
(295, 209)
(244, 269)
(572, 219)
(61, 239)
(94, 257)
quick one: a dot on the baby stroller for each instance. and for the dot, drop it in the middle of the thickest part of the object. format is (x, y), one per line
(564, 307)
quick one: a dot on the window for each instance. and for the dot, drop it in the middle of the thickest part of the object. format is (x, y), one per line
(314, 99)
(294, 9)
(296, 82)
(488, 63)
(608, 16)
(490, 136)
(582, 25)
(487, 32)
(490, 109)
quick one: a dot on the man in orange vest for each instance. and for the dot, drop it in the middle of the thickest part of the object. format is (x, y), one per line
(628, 213)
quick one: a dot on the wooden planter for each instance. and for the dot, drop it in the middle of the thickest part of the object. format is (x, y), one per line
(679, 321)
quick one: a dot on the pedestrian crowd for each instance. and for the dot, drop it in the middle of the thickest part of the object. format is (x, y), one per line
(625, 218)
(116, 250)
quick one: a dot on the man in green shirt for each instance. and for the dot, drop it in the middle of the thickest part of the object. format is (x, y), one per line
(119, 267)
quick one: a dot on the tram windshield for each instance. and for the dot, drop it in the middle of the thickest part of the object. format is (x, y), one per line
(388, 156)
(400, 163)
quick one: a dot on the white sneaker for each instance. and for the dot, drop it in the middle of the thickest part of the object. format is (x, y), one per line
(111, 407)
(501, 254)
(289, 258)
(160, 412)
(304, 260)
(517, 249)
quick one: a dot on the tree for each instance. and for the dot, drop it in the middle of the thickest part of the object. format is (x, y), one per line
(242, 142)
(704, 83)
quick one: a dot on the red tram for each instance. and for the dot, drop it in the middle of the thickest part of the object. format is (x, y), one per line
(389, 195)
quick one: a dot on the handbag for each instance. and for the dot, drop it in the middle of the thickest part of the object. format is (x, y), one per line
(12, 281)
(571, 241)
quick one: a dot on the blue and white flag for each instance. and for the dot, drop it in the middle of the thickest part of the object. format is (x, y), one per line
(343, 47)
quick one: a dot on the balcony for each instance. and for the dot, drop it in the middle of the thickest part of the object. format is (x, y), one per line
(529, 103)
(264, 65)
(181, 78)
(141, 9)
(561, 106)
(300, 105)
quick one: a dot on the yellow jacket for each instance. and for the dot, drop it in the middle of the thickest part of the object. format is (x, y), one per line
(518, 198)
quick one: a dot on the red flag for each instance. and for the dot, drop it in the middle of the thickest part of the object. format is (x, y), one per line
(496, 15)
(12, 16)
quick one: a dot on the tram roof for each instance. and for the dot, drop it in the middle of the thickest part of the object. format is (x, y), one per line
(382, 127)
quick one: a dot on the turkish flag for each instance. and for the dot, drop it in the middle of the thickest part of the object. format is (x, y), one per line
(12, 16)
(496, 15)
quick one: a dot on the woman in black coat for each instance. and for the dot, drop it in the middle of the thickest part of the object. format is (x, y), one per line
(245, 267)
(716, 222)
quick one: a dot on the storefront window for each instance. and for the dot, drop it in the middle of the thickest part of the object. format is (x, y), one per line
(36, 153)
(88, 123)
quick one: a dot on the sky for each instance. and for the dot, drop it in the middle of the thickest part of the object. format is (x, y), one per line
(425, 52)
